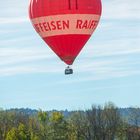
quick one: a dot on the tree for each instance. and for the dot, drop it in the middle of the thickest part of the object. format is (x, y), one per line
(103, 122)
(58, 127)
(34, 128)
(22, 132)
(79, 126)
(43, 120)
(42, 116)
(133, 130)
(12, 134)
(112, 120)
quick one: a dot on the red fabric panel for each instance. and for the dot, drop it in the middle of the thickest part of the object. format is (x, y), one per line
(54, 7)
(67, 47)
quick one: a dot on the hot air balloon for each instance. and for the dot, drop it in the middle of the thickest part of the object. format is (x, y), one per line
(65, 25)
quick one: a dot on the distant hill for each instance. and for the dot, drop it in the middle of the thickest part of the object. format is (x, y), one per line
(26, 111)
(125, 112)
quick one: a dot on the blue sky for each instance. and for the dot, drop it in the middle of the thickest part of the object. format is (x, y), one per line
(107, 69)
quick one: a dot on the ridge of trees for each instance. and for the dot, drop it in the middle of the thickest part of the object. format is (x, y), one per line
(106, 122)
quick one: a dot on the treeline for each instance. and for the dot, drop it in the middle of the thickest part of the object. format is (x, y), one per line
(98, 123)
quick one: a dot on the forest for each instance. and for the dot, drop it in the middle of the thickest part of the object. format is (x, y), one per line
(106, 122)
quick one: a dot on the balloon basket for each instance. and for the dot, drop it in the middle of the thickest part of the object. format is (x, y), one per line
(68, 70)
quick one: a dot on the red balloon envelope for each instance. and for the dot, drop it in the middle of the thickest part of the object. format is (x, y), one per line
(65, 25)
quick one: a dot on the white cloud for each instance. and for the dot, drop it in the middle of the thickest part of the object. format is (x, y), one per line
(114, 48)
(27, 69)
(9, 56)
(13, 20)
(121, 9)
